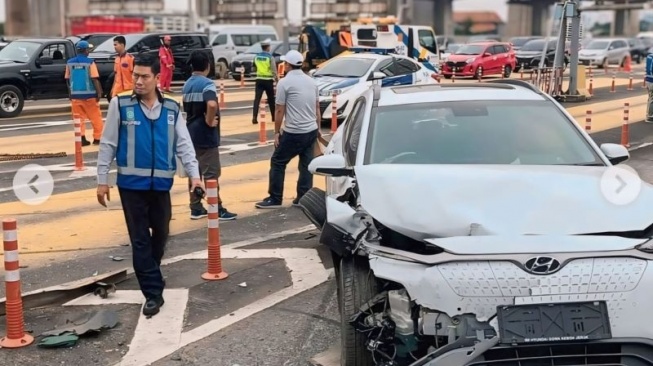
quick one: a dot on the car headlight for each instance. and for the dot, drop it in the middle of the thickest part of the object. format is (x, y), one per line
(328, 93)
(470, 60)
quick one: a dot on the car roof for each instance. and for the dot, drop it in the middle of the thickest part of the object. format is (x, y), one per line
(371, 56)
(434, 93)
(43, 39)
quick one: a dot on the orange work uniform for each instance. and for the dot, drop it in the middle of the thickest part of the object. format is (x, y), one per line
(123, 69)
(84, 99)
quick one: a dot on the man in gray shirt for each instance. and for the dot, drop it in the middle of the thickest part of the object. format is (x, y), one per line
(297, 101)
(140, 133)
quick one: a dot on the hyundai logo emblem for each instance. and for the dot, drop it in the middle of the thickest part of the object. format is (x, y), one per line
(542, 265)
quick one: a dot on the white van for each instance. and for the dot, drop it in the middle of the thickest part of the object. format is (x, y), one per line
(228, 40)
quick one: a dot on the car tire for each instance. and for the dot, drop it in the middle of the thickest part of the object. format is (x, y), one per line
(313, 204)
(447, 77)
(12, 101)
(356, 289)
(604, 64)
(236, 77)
(221, 69)
(507, 71)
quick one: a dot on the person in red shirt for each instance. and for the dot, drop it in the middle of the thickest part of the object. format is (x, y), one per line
(167, 64)
(123, 68)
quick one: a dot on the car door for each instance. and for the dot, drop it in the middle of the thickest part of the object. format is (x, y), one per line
(49, 81)
(346, 142)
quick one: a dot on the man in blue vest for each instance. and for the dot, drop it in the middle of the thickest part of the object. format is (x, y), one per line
(85, 91)
(145, 131)
(649, 86)
(266, 75)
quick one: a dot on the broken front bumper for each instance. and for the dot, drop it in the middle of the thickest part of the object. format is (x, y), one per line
(479, 287)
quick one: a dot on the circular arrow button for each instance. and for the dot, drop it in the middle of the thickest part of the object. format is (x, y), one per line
(33, 184)
(620, 184)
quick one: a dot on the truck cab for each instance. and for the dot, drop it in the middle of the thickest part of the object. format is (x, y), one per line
(415, 41)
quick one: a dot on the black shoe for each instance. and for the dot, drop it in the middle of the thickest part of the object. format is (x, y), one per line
(152, 306)
(85, 142)
(96, 142)
(295, 202)
(268, 203)
(254, 121)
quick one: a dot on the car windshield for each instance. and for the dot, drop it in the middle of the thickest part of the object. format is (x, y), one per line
(19, 51)
(477, 132)
(538, 45)
(348, 67)
(470, 49)
(519, 41)
(453, 47)
(107, 46)
(597, 45)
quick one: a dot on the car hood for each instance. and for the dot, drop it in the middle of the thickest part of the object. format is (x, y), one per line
(435, 201)
(325, 83)
(591, 52)
(459, 58)
(244, 57)
(528, 53)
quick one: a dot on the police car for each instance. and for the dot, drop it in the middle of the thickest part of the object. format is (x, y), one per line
(347, 76)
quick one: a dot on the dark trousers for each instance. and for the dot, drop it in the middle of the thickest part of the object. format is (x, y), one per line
(209, 164)
(145, 210)
(266, 86)
(290, 146)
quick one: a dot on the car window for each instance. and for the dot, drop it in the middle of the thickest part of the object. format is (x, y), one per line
(427, 40)
(264, 37)
(403, 67)
(97, 40)
(498, 49)
(57, 52)
(385, 67)
(153, 42)
(353, 131)
(477, 132)
(280, 49)
(345, 67)
(244, 39)
(471, 49)
(221, 39)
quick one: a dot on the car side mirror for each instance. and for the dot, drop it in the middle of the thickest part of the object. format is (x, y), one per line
(616, 153)
(332, 165)
(487, 54)
(45, 60)
(377, 75)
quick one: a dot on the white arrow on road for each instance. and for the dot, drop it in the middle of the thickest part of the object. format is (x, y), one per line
(162, 335)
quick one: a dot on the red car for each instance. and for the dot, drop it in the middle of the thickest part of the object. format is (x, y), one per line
(479, 59)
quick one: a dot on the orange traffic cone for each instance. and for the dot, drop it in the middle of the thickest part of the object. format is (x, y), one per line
(627, 65)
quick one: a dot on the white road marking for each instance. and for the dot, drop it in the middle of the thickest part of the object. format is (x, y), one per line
(160, 333)
(163, 334)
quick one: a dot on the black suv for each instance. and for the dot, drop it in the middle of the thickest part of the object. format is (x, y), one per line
(182, 44)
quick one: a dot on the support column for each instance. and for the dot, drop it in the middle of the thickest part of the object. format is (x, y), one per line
(443, 18)
(541, 17)
(18, 18)
(520, 19)
(620, 18)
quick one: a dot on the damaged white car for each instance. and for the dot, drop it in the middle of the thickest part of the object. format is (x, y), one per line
(470, 225)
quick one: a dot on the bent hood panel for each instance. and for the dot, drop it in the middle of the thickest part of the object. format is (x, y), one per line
(430, 201)
(325, 83)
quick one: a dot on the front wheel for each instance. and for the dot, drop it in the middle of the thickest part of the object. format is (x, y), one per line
(507, 71)
(357, 285)
(12, 101)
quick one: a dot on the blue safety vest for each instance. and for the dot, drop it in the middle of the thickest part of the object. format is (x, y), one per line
(649, 68)
(146, 152)
(81, 84)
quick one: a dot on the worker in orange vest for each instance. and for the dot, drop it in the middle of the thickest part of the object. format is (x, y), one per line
(167, 65)
(123, 68)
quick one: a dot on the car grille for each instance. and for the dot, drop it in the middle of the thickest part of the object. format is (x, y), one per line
(246, 64)
(456, 64)
(525, 61)
(603, 353)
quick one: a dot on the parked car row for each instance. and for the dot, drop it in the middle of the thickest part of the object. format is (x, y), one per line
(34, 68)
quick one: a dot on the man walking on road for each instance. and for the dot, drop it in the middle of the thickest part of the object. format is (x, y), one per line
(85, 91)
(649, 86)
(203, 120)
(123, 68)
(297, 101)
(141, 128)
(167, 64)
(266, 75)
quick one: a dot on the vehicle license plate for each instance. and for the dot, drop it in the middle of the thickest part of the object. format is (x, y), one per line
(538, 323)
(240, 69)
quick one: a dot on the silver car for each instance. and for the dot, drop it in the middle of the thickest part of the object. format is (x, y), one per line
(604, 51)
